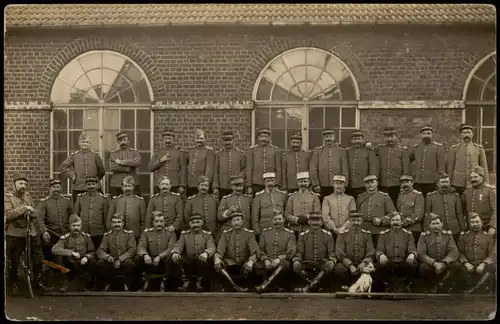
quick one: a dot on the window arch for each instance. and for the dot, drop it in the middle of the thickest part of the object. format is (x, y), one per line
(480, 105)
(102, 93)
(305, 90)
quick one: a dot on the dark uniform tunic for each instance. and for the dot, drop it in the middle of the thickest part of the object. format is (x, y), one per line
(133, 209)
(228, 163)
(81, 243)
(449, 207)
(411, 205)
(362, 162)
(277, 243)
(354, 245)
(476, 248)
(327, 161)
(293, 162)
(93, 207)
(462, 159)
(481, 200)
(201, 162)
(156, 243)
(53, 212)
(262, 159)
(84, 164)
(372, 205)
(131, 161)
(206, 205)
(396, 244)
(301, 204)
(263, 207)
(238, 246)
(175, 168)
(428, 161)
(170, 204)
(315, 247)
(244, 202)
(436, 247)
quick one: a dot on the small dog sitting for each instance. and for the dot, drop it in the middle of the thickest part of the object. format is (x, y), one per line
(364, 282)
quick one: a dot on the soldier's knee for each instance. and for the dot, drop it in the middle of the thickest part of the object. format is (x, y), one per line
(128, 262)
(285, 264)
(101, 263)
(340, 268)
(490, 268)
(425, 269)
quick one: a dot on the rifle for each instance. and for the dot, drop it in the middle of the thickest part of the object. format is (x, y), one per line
(27, 256)
(51, 264)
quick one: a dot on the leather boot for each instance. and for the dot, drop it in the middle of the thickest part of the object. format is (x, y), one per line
(186, 283)
(145, 286)
(443, 280)
(480, 283)
(234, 286)
(14, 289)
(64, 286)
(163, 285)
(313, 283)
(199, 287)
(261, 288)
(40, 286)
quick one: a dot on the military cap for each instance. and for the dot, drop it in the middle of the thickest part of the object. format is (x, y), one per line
(406, 177)
(229, 135)
(157, 213)
(199, 132)
(237, 180)
(339, 177)
(426, 127)
(302, 175)
(19, 177)
(394, 214)
(118, 215)
(357, 133)
(264, 130)
(91, 179)
(433, 216)
(195, 216)
(269, 175)
(370, 177)
(443, 175)
(465, 126)
(74, 218)
(168, 132)
(471, 215)
(202, 179)
(277, 211)
(236, 213)
(315, 216)
(163, 178)
(355, 214)
(129, 180)
(83, 136)
(328, 131)
(121, 134)
(479, 170)
(54, 181)
(296, 136)
(389, 131)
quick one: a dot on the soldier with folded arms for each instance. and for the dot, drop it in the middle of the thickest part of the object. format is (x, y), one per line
(123, 162)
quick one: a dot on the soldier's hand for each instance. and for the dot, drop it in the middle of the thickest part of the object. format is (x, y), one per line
(217, 264)
(234, 208)
(203, 257)
(469, 267)
(117, 263)
(46, 237)
(216, 192)
(118, 161)
(176, 257)
(147, 259)
(268, 264)
(156, 261)
(439, 266)
(317, 189)
(353, 269)
(376, 221)
(111, 259)
(250, 191)
(84, 261)
(296, 266)
(383, 259)
(247, 267)
(182, 190)
(480, 268)
(285, 191)
(276, 262)
(329, 265)
(170, 228)
(164, 158)
(30, 209)
(76, 255)
(411, 258)
(491, 232)
(337, 231)
(73, 177)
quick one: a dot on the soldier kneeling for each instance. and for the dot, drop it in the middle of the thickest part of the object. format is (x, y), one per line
(397, 255)
(116, 254)
(315, 254)
(153, 251)
(75, 250)
(237, 252)
(476, 250)
(277, 247)
(193, 252)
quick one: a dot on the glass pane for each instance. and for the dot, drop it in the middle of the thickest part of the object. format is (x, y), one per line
(264, 91)
(132, 73)
(345, 137)
(106, 160)
(315, 138)
(275, 71)
(111, 119)
(122, 83)
(294, 117)
(489, 92)
(489, 115)
(113, 61)
(95, 77)
(474, 89)
(278, 116)
(59, 158)
(347, 91)
(488, 138)
(294, 58)
(71, 72)
(144, 140)
(316, 117)
(332, 93)
(280, 94)
(472, 115)
(316, 58)
(113, 97)
(91, 62)
(145, 158)
(486, 69)
(278, 138)
(94, 140)
(108, 78)
(61, 92)
(60, 139)
(110, 142)
(261, 117)
(60, 119)
(145, 182)
(142, 92)
(128, 95)
(332, 117)
(127, 119)
(131, 138)
(73, 140)
(348, 117)
(75, 118)
(83, 84)
(490, 159)
(144, 119)
(90, 119)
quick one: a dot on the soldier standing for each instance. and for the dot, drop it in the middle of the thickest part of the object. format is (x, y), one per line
(82, 164)
(315, 254)
(301, 204)
(266, 202)
(53, 215)
(429, 161)
(123, 162)
(337, 206)
(397, 254)
(18, 205)
(237, 252)
(154, 248)
(411, 205)
(326, 161)
(76, 251)
(476, 249)
(463, 158)
(394, 161)
(481, 198)
(204, 204)
(116, 254)
(376, 206)
(132, 207)
(201, 160)
(354, 249)
(277, 247)
(235, 201)
(437, 253)
(194, 252)
(260, 159)
(93, 207)
(170, 161)
(167, 202)
(293, 162)
(229, 161)
(362, 161)
(446, 203)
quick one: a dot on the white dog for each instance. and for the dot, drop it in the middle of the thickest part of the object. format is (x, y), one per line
(364, 282)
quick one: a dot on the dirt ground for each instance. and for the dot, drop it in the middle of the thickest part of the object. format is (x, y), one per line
(171, 308)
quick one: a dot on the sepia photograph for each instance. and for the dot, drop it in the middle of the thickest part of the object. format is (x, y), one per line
(224, 161)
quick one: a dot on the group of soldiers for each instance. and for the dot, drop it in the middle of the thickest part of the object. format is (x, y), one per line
(295, 220)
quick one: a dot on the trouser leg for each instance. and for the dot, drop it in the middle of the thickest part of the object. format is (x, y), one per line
(103, 273)
(96, 240)
(14, 248)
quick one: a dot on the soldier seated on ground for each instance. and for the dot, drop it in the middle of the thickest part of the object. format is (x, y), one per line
(116, 254)
(75, 251)
(354, 250)
(397, 256)
(237, 252)
(193, 253)
(315, 256)
(278, 246)
(476, 250)
(153, 251)
(438, 255)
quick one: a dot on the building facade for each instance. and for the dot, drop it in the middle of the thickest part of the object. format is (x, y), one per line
(69, 70)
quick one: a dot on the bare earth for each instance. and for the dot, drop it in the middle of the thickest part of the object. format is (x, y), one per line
(165, 308)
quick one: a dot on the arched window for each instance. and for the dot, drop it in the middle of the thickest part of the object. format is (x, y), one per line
(102, 93)
(305, 90)
(480, 105)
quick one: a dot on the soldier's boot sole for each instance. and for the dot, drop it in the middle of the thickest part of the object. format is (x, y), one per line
(240, 289)
(259, 289)
(184, 287)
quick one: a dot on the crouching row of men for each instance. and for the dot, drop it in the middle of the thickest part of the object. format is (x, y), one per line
(309, 263)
